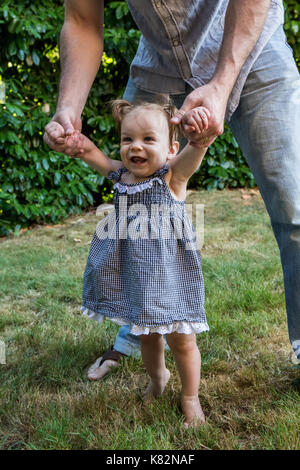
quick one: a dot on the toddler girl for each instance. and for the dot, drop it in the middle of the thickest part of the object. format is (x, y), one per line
(138, 271)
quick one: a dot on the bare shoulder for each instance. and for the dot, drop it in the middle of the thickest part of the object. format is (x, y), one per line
(177, 187)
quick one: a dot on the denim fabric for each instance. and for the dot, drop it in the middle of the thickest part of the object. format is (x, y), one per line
(180, 44)
(127, 343)
(266, 125)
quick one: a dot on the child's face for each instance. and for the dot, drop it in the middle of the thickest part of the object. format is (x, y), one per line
(145, 143)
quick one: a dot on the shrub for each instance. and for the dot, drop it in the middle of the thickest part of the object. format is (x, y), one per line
(38, 185)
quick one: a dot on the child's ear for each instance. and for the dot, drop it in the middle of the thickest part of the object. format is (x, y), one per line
(174, 148)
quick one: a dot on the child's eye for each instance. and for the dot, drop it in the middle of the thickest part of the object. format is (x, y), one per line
(148, 138)
(126, 139)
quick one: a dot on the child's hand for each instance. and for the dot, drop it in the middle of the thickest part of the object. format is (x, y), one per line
(194, 122)
(75, 145)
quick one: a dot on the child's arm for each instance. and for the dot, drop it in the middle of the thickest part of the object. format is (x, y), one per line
(186, 163)
(189, 159)
(79, 146)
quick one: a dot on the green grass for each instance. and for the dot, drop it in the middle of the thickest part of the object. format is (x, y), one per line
(249, 388)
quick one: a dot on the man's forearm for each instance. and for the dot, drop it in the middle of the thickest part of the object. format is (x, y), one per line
(243, 24)
(81, 47)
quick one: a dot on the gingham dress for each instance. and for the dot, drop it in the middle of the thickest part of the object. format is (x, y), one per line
(139, 274)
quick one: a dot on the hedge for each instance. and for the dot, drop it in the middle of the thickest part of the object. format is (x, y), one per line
(39, 185)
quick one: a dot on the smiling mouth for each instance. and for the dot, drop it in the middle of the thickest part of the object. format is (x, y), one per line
(137, 160)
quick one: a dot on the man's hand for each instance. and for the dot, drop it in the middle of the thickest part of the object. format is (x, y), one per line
(215, 100)
(63, 124)
(75, 145)
(244, 22)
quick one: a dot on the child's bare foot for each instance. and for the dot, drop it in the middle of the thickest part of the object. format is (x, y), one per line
(192, 411)
(157, 387)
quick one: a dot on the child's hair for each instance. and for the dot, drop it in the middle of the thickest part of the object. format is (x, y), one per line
(121, 108)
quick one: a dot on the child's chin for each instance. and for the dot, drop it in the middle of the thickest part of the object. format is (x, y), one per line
(140, 168)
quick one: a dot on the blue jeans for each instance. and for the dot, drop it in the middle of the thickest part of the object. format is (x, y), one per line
(266, 126)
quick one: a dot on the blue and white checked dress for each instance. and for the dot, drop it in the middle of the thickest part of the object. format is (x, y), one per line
(141, 269)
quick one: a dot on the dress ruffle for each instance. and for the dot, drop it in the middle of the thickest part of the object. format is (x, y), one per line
(132, 188)
(184, 327)
(137, 188)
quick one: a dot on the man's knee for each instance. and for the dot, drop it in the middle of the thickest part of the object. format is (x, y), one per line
(283, 202)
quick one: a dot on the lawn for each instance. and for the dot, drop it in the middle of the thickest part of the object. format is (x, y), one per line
(249, 388)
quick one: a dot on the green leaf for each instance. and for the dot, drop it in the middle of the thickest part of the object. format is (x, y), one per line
(74, 189)
(13, 26)
(28, 128)
(3, 121)
(19, 151)
(79, 200)
(7, 187)
(90, 198)
(83, 189)
(119, 12)
(35, 58)
(57, 178)
(45, 164)
(14, 109)
(295, 27)
(21, 54)
(12, 48)
(54, 158)
(234, 143)
(12, 137)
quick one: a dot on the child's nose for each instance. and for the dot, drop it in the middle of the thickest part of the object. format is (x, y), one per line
(136, 144)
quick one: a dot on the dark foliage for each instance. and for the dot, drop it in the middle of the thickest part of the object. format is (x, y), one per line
(38, 185)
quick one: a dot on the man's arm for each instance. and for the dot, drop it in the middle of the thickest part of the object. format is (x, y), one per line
(81, 47)
(243, 24)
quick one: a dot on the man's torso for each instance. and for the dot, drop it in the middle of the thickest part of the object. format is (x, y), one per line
(181, 40)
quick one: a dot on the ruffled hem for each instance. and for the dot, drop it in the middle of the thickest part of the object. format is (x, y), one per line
(133, 188)
(184, 327)
(137, 188)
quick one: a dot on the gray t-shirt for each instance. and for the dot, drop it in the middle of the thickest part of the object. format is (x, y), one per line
(180, 44)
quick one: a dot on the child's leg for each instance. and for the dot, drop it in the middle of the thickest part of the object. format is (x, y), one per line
(188, 361)
(152, 349)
